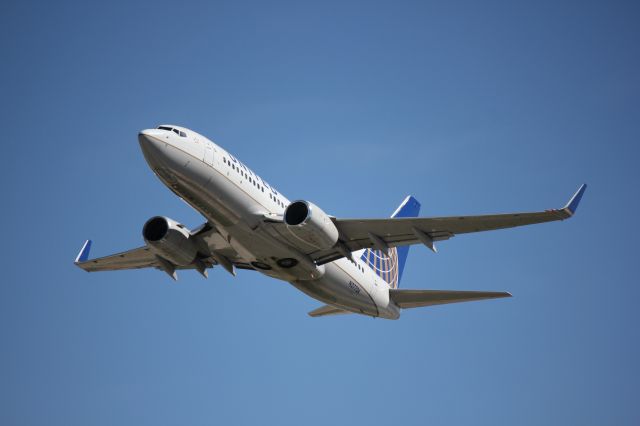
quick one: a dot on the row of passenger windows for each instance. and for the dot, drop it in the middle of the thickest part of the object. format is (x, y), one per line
(252, 180)
(174, 130)
(244, 174)
(277, 200)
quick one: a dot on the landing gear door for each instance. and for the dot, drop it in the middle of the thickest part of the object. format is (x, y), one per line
(208, 154)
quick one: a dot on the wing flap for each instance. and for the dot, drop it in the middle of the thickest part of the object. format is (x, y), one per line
(418, 298)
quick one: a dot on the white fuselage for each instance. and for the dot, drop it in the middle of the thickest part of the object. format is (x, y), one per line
(237, 202)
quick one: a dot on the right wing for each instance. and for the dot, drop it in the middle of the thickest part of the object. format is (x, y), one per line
(417, 298)
(219, 251)
(137, 258)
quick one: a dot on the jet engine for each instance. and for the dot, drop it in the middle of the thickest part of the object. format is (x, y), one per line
(308, 222)
(170, 240)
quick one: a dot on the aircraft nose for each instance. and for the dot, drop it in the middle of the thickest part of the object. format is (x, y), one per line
(148, 136)
(152, 146)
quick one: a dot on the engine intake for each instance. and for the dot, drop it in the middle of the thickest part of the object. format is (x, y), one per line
(155, 229)
(296, 213)
(170, 240)
(312, 225)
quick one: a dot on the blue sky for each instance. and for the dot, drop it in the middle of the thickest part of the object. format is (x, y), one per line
(472, 107)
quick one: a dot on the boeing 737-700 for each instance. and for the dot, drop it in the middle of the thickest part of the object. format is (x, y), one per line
(350, 265)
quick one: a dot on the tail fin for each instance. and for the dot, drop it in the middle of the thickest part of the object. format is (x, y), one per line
(390, 268)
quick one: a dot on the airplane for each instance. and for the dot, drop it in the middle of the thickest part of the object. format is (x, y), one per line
(350, 265)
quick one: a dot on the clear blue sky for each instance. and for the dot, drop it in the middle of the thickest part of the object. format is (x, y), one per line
(472, 107)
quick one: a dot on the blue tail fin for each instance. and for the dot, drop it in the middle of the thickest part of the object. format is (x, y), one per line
(390, 268)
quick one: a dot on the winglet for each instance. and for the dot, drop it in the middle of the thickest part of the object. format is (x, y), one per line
(83, 256)
(572, 205)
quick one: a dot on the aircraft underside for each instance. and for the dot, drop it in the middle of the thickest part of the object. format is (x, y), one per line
(352, 265)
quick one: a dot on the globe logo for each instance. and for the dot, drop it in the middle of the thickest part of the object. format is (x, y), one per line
(386, 267)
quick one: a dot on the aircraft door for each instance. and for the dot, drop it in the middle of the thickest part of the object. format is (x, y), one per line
(376, 284)
(208, 154)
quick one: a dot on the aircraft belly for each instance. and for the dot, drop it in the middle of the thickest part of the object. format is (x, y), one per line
(339, 288)
(230, 207)
(234, 211)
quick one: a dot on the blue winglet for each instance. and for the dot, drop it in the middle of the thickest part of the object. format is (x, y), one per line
(83, 256)
(572, 205)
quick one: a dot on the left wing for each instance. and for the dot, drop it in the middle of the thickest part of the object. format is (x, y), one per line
(381, 234)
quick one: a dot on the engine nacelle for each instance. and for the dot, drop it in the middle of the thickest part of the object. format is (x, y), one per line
(308, 222)
(170, 240)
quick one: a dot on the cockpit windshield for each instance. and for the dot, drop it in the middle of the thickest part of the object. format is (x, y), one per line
(174, 130)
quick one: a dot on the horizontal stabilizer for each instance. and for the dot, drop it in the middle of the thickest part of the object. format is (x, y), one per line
(417, 298)
(327, 310)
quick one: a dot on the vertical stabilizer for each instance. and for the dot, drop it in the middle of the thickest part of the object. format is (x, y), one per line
(389, 266)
